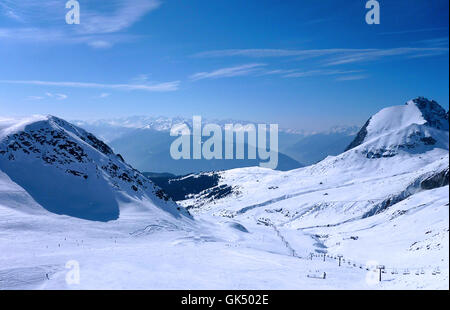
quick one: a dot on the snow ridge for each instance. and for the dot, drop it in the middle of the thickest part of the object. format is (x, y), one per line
(69, 171)
(419, 124)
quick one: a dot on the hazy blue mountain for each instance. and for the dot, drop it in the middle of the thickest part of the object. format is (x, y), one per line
(144, 141)
(149, 150)
(313, 148)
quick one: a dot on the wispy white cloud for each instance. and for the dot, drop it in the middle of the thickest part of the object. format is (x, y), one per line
(31, 34)
(352, 77)
(435, 42)
(266, 53)
(319, 72)
(141, 78)
(6, 10)
(228, 72)
(259, 70)
(10, 13)
(56, 96)
(35, 97)
(414, 31)
(126, 14)
(60, 96)
(100, 44)
(160, 87)
(97, 28)
(409, 52)
(104, 95)
(24, 34)
(278, 72)
(329, 57)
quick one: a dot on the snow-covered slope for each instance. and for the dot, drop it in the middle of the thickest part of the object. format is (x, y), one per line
(403, 154)
(389, 164)
(382, 202)
(69, 171)
(12, 196)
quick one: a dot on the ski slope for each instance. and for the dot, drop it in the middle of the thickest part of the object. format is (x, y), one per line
(327, 226)
(371, 203)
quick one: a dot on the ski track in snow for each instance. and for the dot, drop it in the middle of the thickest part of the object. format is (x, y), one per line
(277, 230)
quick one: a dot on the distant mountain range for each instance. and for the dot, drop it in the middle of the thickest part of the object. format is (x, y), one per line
(145, 141)
(312, 148)
(65, 194)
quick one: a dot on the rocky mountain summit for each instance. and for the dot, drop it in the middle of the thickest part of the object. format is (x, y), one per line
(419, 125)
(69, 171)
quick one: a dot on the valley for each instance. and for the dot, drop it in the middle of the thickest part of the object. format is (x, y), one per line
(329, 225)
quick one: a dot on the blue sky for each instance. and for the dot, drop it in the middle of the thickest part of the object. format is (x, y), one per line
(303, 64)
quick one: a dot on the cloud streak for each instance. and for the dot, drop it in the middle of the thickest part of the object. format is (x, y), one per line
(329, 57)
(241, 70)
(161, 87)
(352, 77)
(57, 96)
(266, 53)
(126, 14)
(49, 95)
(259, 70)
(310, 73)
(409, 52)
(41, 21)
(414, 31)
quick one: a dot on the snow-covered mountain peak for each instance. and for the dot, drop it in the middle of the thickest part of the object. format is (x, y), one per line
(420, 122)
(69, 171)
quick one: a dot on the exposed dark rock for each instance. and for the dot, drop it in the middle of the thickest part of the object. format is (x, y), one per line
(428, 182)
(217, 192)
(178, 188)
(161, 195)
(433, 113)
(359, 139)
(120, 158)
(428, 140)
(438, 180)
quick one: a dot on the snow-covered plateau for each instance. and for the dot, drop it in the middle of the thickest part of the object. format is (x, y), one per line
(70, 205)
